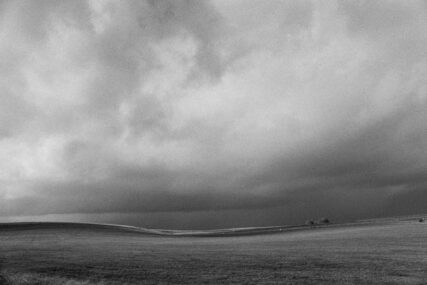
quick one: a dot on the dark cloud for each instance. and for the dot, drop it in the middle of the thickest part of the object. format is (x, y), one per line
(212, 114)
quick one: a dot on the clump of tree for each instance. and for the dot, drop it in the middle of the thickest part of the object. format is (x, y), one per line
(324, 221)
(321, 221)
(421, 220)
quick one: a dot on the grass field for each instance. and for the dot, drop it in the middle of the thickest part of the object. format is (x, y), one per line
(385, 252)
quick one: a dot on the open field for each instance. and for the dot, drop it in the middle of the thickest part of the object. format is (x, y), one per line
(383, 252)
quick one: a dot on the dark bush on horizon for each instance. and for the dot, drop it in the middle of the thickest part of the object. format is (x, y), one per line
(324, 221)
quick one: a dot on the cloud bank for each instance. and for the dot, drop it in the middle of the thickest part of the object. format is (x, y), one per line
(222, 113)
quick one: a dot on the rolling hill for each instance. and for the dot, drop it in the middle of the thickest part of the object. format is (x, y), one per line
(387, 251)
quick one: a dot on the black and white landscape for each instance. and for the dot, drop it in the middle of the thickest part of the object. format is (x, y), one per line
(222, 141)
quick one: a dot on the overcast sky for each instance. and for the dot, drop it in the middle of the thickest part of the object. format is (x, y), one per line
(198, 114)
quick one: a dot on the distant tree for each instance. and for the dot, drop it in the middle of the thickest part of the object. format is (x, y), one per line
(324, 221)
(421, 220)
(309, 222)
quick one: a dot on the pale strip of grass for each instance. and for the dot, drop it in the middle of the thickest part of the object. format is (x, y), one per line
(9, 278)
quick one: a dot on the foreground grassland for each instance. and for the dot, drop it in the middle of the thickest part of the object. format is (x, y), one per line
(379, 253)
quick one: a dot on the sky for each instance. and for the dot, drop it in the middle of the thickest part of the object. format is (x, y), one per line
(209, 114)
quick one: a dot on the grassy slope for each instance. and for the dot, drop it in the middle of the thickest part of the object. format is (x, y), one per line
(386, 252)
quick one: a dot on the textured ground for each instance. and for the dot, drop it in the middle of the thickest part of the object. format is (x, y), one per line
(382, 253)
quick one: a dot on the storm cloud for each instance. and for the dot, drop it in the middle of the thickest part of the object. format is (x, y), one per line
(212, 113)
